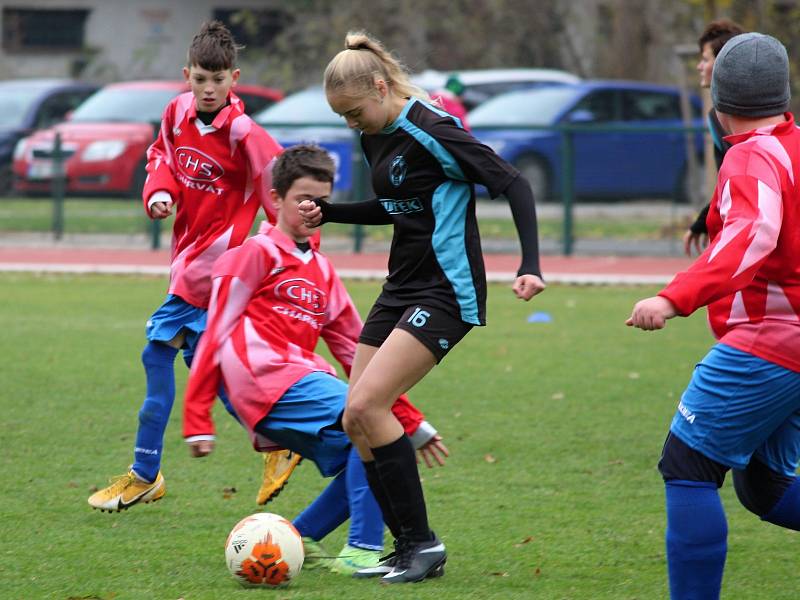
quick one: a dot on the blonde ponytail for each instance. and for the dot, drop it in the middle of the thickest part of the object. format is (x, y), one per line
(353, 71)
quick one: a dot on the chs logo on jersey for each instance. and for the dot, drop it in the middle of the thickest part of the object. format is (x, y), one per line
(303, 295)
(196, 165)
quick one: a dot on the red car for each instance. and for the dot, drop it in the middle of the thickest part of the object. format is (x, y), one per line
(105, 139)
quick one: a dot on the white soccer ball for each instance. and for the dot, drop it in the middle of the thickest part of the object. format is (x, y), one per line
(264, 549)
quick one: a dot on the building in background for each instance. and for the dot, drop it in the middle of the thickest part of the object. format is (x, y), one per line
(115, 40)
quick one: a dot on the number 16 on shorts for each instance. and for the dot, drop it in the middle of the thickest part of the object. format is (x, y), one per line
(419, 317)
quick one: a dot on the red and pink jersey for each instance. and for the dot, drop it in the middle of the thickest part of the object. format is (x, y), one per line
(270, 305)
(218, 177)
(749, 276)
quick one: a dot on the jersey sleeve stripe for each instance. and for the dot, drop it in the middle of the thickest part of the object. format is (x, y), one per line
(442, 113)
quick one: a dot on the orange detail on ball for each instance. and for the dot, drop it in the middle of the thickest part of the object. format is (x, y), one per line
(268, 566)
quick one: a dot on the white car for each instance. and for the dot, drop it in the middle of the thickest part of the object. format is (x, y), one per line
(482, 84)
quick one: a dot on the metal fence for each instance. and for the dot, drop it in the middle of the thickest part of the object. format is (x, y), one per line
(568, 223)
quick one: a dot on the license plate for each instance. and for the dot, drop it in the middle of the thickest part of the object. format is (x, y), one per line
(41, 170)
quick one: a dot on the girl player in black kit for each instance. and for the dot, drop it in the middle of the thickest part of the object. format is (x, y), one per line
(424, 166)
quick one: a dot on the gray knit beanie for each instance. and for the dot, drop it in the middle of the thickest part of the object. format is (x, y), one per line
(751, 77)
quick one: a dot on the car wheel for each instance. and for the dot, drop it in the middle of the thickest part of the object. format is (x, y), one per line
(534, 170)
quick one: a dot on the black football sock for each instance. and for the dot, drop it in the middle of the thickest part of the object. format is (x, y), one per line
(397, 468)
(377, 489)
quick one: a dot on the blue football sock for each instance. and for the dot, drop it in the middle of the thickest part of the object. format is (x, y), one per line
(366, 519)
(159, 368)
(786, 512)
(696, 540)
(326, 512)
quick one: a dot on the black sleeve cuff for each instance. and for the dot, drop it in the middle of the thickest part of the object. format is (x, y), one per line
(699, 226)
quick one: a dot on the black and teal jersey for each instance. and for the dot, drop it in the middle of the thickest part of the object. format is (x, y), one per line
(424, 169)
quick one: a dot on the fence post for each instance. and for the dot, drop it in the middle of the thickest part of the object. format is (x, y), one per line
(57, 189)
(155, 224)
(155, 234)
(357, 189)
(567, 178)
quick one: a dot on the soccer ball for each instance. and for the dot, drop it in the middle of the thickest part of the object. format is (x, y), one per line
(264, 549)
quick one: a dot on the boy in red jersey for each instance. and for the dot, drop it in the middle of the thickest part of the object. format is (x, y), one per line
(741, 410)
(273, 298)
(211, 163)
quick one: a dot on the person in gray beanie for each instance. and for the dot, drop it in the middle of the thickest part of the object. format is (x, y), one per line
(741, 409)
(751, 77)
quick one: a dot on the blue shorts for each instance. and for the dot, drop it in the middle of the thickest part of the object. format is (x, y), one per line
(738, 406)
(307, 420)
(172, 317)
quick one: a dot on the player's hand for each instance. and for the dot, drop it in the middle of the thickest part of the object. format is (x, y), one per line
(651, 313)
(201, 448)
(527, 286)
(697, 240)
(161, 210)
(433, 450)
(310, 212)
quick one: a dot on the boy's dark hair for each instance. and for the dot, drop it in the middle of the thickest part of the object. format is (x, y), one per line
(717, 33)
(213, 48)
(304, 160)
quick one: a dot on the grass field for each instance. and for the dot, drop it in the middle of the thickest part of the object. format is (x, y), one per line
(551, 491)
(125, 216)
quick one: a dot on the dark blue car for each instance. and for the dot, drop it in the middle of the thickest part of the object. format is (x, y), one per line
(29, 104)
(630, 161)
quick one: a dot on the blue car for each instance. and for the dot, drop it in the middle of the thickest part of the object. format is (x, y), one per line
(30, 104)
(630, 161)
(305, 117)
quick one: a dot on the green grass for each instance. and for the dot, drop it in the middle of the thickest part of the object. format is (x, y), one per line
(120, 215)
(125, 215)
(551, 490)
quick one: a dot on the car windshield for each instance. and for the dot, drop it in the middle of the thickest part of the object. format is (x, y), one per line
(124, 105)
(14, 105)
(526, 107)
(303, 108)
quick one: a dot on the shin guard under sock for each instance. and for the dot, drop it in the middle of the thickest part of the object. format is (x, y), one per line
(159, 367)
(397, 468)
(786, 512)
(696, 539)
(329, 510)
(381, 497)
(366, 518)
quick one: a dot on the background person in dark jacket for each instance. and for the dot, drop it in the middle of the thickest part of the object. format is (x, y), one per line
(711, 42)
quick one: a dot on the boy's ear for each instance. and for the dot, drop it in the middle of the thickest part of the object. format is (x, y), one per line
(235, 75)
(186, 74)
(276, 198)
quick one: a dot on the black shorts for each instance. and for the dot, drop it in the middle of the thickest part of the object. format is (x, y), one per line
(435, 328)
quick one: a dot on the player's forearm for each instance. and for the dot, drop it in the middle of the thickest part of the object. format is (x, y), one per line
(197, 420)
(523, 210)
(407, 414)
(344, 326)
(369, 212)
(699, 226)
